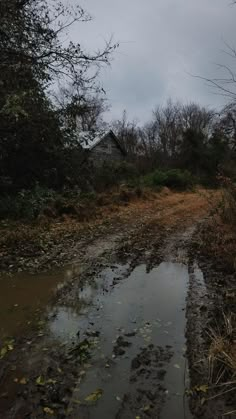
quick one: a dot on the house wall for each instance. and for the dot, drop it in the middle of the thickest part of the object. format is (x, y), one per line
(106, 151)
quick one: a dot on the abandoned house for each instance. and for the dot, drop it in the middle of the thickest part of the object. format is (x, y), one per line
(102, 147)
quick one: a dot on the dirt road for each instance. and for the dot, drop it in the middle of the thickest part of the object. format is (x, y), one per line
(118, 332)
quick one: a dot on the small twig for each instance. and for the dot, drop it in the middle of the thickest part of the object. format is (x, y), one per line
(229, 413)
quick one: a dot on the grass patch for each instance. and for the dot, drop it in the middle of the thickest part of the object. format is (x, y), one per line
(222, 351)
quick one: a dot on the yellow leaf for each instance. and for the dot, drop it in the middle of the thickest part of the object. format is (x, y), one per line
(3, 352)
(203, 388)
(40, 381)
(23, 381)
(96, 395)
(48, 411)
(51, 381)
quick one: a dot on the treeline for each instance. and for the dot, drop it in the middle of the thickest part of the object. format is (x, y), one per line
(49, 84)
(187, 137)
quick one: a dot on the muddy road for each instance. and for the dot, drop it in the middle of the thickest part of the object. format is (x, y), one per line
(118, 331)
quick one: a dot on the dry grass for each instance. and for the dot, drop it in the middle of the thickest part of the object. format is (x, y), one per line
(222, 351)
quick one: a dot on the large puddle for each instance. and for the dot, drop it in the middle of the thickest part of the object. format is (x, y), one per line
(120, 316)
(135, 326)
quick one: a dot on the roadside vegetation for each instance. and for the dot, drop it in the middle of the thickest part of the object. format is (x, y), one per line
(215, 243)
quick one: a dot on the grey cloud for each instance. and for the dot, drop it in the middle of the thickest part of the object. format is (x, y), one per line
(162, 42)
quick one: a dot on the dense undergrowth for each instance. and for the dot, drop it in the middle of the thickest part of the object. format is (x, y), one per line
(174, 178)
(117, 183)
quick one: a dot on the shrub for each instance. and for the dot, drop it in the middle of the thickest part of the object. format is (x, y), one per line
(27, 204)
(173, 178)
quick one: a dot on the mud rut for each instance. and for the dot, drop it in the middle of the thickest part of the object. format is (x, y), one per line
(118, 338)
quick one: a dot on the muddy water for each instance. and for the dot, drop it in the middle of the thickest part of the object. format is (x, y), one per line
(144, 310)
(23, 297)
(135, 325)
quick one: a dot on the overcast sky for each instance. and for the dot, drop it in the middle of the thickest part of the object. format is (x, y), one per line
(162, 42)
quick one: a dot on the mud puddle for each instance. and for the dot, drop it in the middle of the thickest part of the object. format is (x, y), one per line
(23, 296)
(133, 329)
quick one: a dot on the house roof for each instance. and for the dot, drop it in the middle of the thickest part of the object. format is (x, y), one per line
(88, 140)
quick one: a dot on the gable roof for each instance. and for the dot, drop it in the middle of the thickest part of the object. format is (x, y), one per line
(88, 140)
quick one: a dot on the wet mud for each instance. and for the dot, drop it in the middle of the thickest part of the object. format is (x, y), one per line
(122, 333)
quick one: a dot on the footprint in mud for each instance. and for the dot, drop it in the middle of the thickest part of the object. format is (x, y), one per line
(121, 343)
(146, 376)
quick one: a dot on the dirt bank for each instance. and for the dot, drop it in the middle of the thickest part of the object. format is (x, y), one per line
(111, 327)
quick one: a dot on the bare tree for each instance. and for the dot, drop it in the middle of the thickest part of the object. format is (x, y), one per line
(34, 33)
(167, 122)
(197, 118)
(127, 133)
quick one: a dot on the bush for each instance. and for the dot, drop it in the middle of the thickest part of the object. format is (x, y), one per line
(173, 178)
(26, 204)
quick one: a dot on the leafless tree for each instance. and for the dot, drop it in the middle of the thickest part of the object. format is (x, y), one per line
(197, 118)
(127, 133)
(167, 122)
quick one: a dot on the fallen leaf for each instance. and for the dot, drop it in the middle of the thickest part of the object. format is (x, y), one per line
(3, 352)
(51, 381)
(23, 381)
(118, 398)
(96, 395)
(48, 411)
(40, 381)
(201, 389)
